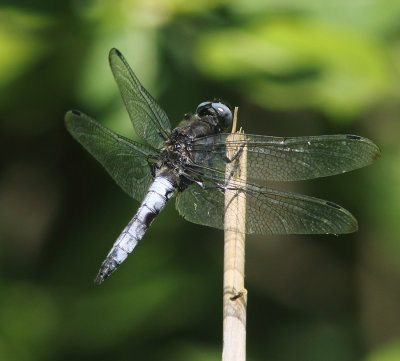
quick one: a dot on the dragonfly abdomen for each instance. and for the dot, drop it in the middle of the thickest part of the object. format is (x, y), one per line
(160, 191)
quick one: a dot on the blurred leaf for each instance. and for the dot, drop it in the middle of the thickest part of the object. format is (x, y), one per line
(286, 63)
(124, 310)
(19, 44)
(388, 352)
(374, 16)
(311, 339)
(28, 320)
(385, 198)
(193, 352)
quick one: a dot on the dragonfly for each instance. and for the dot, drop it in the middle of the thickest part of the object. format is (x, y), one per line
(190, 162)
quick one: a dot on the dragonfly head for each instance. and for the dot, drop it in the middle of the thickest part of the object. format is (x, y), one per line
(218, 110)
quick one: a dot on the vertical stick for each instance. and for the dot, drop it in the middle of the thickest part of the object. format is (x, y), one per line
(235, 295)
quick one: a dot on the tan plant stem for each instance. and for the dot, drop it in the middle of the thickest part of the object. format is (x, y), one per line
(235, 295)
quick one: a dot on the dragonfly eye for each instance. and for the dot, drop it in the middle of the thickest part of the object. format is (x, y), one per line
(224, 113)
(202, 108)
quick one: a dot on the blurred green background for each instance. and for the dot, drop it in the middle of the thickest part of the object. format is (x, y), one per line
(293, 68)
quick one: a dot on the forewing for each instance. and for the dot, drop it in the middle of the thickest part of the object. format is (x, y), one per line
(124, 159)
(148, 118)
(268, 211)
(288, 159)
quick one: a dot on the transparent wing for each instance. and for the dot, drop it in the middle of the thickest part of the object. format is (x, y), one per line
(268, 211)
(124, 159)
(288, 159)
(148, 118)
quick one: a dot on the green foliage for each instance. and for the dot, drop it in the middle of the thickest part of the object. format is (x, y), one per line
(387, 352)
(294, 68)
(296, 63)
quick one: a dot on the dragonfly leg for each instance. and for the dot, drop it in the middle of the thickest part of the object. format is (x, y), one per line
(152, 164)
(236, 166)
(236, 155)
(191, 179)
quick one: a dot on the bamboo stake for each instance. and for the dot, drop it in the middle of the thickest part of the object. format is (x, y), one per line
(235, 295)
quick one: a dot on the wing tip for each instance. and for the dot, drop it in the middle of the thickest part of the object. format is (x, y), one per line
(74, 112)
(376, 154)
(69, 115)
(352, 226)
(375, 150)
(346, 222)
(116, 52)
